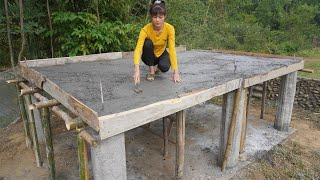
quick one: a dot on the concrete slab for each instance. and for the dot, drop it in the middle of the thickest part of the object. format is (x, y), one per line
(199, 70)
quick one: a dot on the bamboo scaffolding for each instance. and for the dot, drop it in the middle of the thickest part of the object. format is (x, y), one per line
(34, 135)
(83, 158)
(44, 104)
(45, 117)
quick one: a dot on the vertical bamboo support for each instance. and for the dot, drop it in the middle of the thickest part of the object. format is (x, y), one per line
(244, 123)
(263, 101)
(83, 158)
(166, 137)
(45, 117)
(23, 113)
(180, 143)
(231, 138)
(33, 130)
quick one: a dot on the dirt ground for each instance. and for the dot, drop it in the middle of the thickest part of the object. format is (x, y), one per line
(298, 157)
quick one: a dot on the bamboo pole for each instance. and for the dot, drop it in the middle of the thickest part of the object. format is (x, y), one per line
(32, 126)
(71, 123)
(45, 117)
(180, 143)
(83, 158)
(86, 136)
(244, 124)
(23, 112)
(29, 91)
(263, 101)
(231, 129)
(14, 81)
(44, 104)
(166, 137)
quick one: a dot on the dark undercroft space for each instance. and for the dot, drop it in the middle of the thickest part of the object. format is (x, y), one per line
(199, 70)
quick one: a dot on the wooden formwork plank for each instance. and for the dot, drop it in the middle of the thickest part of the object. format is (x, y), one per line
(67, 100)
(75, 59)
(114, 124)
(273, 74)
(71, 103)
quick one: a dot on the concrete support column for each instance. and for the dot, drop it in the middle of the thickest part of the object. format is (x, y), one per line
(37, 119)
(285, 102)
(234, 105)
(109, 159)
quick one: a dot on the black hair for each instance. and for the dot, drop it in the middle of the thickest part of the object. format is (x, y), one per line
(158, 7)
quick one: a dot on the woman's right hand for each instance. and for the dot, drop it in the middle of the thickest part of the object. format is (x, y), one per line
(136, 75)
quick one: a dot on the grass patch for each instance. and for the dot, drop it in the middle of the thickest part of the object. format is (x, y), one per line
(315, 65)
(290, 161)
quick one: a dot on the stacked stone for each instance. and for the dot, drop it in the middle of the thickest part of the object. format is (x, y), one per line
(307, 95)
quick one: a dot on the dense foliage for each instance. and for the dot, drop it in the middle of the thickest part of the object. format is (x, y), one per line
(94, 26)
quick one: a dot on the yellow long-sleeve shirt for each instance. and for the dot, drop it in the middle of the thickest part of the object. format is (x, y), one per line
(160, 41)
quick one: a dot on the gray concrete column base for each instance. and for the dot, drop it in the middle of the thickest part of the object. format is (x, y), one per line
(109, 159)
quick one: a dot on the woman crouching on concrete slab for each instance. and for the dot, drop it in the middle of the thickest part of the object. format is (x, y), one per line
(152, 43)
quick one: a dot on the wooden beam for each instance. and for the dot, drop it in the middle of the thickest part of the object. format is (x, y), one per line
(43, 104)
(307, 70)
(45, 118)
(111, 125)
(180, 146)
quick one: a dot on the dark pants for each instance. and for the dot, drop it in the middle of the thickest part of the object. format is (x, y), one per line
(149, 58)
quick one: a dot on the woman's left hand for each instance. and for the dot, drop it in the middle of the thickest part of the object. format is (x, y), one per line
(176, 77)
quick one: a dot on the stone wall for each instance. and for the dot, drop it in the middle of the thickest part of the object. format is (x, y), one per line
(307, 94)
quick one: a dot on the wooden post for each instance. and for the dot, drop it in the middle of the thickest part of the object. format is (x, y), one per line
(285, 103)
(165, 137)
(45, 114)
(25, 120)
(180, 143)
(83, 158)
(244, 123)
(263, 101)
(33, 130)
(231, 126)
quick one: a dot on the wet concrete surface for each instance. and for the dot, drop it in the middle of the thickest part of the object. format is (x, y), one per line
(199, 70)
